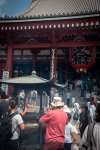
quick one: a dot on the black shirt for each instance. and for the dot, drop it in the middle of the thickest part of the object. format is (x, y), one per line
(3, 108)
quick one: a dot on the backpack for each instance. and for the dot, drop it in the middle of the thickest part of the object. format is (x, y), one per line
(89, 144)
(6, 128)
(76, 116)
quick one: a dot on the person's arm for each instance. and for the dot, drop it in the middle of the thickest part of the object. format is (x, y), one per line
(20, 122)
(73, 136)
(22, 126)
(45, 118)
(24, 112)
(84, 137)
(40, 120)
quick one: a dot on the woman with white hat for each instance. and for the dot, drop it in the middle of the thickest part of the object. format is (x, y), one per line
(66, 109)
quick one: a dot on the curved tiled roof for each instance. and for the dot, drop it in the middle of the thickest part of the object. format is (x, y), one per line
(55, 8)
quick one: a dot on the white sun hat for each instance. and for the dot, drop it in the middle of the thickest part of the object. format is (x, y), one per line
(57, 101)
(66, 109)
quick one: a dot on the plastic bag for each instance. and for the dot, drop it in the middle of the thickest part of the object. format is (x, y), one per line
(75, 147)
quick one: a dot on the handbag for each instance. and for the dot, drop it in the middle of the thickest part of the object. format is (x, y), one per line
(75, 147)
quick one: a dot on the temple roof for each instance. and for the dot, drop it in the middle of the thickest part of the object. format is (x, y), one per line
(67, 9)
(55, 8)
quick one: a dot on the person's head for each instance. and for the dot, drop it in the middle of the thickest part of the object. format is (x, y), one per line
(69, 117)
(2, 94)
(97, 113)
(13, 103)
(84, 108)
(66, 109)
(57, 103)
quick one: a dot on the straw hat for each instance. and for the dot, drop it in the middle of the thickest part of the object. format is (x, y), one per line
(57, 101)
(66, 109)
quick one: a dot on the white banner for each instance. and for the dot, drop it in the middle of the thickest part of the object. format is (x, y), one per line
(52, 64)
(5, 76)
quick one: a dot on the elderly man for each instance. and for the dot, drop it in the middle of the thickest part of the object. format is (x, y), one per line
(95, 133)
(56, 120)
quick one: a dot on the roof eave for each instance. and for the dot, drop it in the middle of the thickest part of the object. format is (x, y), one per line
(20, 20)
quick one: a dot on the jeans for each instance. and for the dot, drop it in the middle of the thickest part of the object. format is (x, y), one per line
(67, 146)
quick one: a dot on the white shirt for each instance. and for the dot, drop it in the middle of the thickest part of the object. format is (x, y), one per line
(68, 129)
(16, 120)
(94, 109)
(22, 94)
(73, 99)
(96, 134)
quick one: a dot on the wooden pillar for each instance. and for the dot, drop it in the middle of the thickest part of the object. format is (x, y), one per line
(10, 59)
(34, 52)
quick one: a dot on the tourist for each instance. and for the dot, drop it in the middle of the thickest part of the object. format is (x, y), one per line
(73, 101)
(96, 130)
(18, 125)
(84, 119)
(68, 97)
(22, 97)
(69, 134)
(56, 119)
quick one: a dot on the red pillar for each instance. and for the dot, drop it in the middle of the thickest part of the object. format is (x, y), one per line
(10, 59)
(66, 63)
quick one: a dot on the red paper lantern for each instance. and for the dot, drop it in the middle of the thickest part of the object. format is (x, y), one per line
(82, 57)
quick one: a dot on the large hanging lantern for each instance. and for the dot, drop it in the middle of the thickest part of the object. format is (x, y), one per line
(82, 57)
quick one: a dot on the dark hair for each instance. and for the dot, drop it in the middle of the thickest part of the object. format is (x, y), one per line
(85, 107)
(13, 102)
(2, 94)
(98, 108)
(69, 117)
(97, 116)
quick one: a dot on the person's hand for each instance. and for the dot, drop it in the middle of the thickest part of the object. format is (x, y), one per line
(27, 106)
(74, 140)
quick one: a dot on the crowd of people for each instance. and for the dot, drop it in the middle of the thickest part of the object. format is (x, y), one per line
(62, 135)
(63, 120)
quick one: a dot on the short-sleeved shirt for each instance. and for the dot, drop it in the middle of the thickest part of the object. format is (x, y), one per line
(68, 129)
(56, 121)
(3, 108)
(68, 95)
(19, 110)
(16, 121)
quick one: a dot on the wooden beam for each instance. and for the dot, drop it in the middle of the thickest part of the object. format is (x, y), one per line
(31, 46)
(78, 44)
(59, 45)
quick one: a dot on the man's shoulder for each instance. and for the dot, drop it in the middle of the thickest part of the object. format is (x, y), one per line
(3, 103)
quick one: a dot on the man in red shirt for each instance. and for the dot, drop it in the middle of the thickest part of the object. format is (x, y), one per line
(56, 120)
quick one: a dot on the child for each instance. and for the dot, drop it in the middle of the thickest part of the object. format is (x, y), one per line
(69, 134)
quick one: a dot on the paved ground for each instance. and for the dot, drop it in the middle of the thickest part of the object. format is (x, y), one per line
(31, 134)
